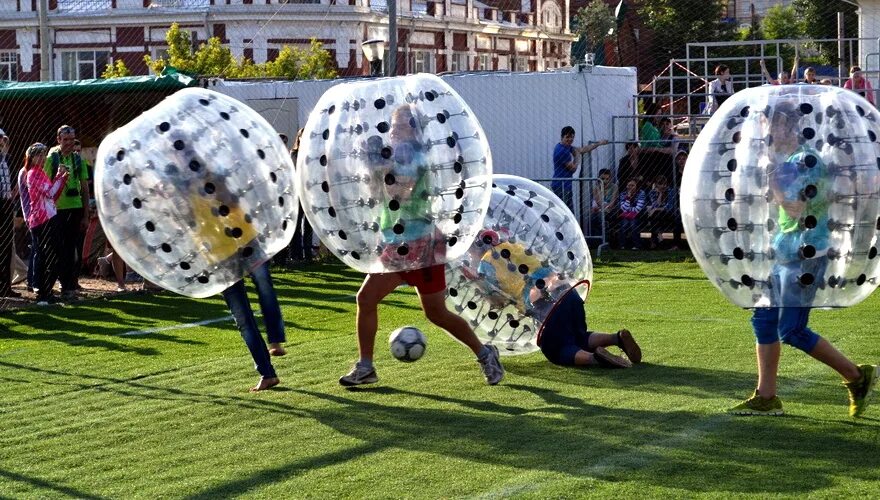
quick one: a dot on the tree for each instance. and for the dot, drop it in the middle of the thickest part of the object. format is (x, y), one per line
(677, 22)
(594, 21)
(118, 70)
(214, 59)
(782, 23)
(819, 18)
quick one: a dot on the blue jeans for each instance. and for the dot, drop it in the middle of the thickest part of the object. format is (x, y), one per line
(240, 307)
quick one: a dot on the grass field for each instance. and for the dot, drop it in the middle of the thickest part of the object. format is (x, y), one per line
(90, 410)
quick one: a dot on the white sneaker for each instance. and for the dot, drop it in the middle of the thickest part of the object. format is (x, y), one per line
(359, 375)
(491, 366)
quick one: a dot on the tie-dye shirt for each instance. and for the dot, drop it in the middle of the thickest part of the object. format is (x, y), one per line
(42, 193)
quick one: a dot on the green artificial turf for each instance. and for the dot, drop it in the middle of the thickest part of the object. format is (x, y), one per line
(90, 410)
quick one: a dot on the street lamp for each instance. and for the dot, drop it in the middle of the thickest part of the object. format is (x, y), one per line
(374, 51)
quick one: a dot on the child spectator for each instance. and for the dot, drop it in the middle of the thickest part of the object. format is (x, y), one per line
(859, 84)
(661, 209)
(605, 196)
(632, 201)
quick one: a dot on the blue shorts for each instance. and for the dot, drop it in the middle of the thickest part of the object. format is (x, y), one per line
(565, 331)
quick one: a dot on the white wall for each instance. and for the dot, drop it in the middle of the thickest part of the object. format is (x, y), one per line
(521, 113)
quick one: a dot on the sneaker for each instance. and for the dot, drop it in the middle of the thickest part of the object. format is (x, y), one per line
(629, 346)
(359, 375)
(860, 390)
(121, 288)
(491, 366)
(605, 359)
(756, 405)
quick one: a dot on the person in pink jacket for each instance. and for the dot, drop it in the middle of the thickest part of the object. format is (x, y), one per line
(41, 221)
(859, 84)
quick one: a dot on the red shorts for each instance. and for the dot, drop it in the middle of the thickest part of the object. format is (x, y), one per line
(427, 280)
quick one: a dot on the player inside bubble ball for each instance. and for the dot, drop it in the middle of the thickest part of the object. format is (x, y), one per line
(510, 275)
(223, 231)
(404, 221)
(798, 186)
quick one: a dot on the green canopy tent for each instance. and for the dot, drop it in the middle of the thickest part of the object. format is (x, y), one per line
(32, 112)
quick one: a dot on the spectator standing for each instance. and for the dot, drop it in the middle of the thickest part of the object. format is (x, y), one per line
(302, 245)
(7, 211)
(73, 217)
(628, 166)
(719, 89)
(632, 201)
(859, 84)
(42, 220)
(566, 159)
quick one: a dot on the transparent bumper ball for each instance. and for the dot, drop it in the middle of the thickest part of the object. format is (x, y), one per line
(196, 192)
(781, 196)
(394, 173)
(529, 253)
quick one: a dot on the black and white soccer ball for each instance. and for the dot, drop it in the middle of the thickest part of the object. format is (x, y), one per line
(408, 343)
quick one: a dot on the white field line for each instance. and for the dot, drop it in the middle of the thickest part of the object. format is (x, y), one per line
(182, 326)
(179, 326)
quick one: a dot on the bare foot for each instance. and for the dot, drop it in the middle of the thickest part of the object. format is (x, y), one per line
(276, 349)
(265, 383)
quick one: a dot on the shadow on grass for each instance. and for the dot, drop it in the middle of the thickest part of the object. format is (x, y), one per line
(643, 377)
(682, 450)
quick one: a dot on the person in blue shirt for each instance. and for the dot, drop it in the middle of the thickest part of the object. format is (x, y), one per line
(799, 187)
(566, 159)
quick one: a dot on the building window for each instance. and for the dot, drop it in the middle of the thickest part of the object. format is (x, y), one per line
(423, 61)
(8, 66)
(84, 64)
(483, 62)
(84, 5)
(521, 64)
(459, 62)
(503, 62)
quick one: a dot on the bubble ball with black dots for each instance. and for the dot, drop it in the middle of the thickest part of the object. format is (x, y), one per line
(196, 192)
(780, 197)
(529, 253)
(394, 173)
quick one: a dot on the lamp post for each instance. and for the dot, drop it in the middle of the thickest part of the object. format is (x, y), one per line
(374, 51)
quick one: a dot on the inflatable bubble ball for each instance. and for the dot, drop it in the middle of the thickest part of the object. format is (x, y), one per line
(394, 173)
(780, 197)
(529, 252)
(196, 192)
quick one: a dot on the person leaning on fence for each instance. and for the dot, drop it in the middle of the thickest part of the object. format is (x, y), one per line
(73, 216)
(719, 89)
(7, 212)
(566, 159)
(859, 84)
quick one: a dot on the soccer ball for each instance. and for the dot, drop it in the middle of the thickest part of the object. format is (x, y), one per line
(408, 343)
